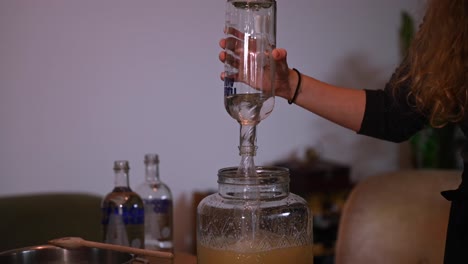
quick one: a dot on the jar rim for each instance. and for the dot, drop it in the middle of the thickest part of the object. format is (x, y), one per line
(257, 1)
(264, 174)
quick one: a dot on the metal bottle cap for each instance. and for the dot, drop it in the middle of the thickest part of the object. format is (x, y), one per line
(151, 158)
(121, 165)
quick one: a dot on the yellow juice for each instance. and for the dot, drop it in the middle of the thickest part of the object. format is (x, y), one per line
(296, 255)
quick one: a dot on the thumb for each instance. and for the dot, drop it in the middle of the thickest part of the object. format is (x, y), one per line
(279, 54)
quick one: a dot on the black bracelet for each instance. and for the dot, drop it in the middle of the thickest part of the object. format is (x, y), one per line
(297, 88)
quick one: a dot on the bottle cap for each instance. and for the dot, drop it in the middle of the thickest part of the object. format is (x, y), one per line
(151, 158)
(121, 165)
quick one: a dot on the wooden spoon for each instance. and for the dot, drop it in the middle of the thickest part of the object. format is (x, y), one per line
(77, 242)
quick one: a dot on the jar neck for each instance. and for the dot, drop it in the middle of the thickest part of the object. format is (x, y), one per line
(269, 183)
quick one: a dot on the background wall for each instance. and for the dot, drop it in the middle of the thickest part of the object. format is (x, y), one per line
(84, 83)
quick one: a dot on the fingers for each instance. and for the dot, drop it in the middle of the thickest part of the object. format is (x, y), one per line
(222, 56)
(234, 32)
(279, 54)
(235, 39)
(230, 43)
(231, 60)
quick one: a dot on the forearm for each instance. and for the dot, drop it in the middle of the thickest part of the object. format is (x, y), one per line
(343, 106)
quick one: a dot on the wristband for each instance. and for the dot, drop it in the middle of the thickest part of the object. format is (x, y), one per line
(297, 87)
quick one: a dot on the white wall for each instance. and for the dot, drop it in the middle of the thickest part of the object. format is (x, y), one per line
(83, 83)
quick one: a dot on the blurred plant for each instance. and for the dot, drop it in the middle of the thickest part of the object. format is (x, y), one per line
(406, 32)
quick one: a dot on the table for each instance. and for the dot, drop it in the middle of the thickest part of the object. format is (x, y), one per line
(179, 258)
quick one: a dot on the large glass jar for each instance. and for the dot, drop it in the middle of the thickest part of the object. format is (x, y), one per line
(254, 220)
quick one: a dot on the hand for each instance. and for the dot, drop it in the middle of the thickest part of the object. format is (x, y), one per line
(233, 46)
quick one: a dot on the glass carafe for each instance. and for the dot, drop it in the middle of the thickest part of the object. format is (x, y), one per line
(254, 220)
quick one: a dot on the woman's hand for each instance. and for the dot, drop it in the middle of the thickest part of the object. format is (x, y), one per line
(234, 44)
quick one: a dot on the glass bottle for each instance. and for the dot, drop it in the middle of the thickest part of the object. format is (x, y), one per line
(249, 70)
(254, 220)
(157, 198)
(123, 211)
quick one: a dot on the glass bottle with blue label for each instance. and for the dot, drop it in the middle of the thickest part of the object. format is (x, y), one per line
(123, 211)
(157, 198)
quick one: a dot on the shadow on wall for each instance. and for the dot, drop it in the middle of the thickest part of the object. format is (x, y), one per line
(368, 156)
(357, 71)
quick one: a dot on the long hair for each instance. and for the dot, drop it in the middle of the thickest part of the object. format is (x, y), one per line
(437, 63)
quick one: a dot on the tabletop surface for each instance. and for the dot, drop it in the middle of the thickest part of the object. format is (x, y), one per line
(179, 258)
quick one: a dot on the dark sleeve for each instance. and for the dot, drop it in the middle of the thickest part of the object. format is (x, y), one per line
(391, 116)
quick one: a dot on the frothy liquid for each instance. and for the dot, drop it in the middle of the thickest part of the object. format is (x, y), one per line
(296, 255)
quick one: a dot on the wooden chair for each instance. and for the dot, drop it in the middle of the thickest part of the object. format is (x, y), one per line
(398, 217)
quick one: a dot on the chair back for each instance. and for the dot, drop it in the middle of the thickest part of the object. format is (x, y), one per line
(396, 217)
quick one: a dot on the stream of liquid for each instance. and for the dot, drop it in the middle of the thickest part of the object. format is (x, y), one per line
(248, 109)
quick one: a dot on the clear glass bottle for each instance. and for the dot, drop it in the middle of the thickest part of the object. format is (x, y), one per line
(250, 32)
(249, 70)
(254, 220)
(123, 211)
(157, 198)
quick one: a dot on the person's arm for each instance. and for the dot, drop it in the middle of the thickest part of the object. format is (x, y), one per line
(380, 113)
(375, 113)
(343, 106)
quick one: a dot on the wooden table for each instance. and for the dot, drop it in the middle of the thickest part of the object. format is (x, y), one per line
(179, 258)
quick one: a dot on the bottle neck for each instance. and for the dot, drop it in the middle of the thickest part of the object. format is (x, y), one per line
(270, 183)
(248, 140)
(152, 172)
(121, 179)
